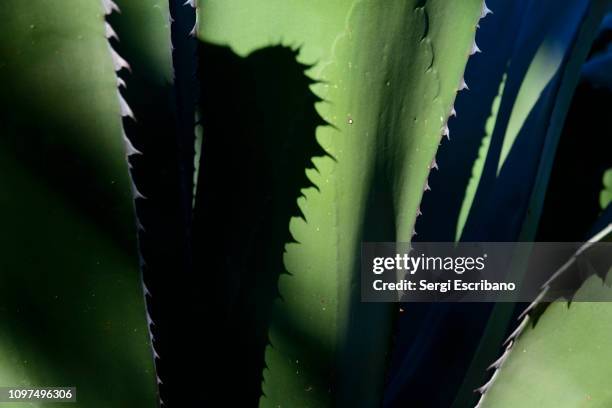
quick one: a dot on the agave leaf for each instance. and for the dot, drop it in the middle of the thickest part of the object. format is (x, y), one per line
(387, 76)
(71, 298)
(419, 335)
(560, 361)
(451, 196)
(519, 188)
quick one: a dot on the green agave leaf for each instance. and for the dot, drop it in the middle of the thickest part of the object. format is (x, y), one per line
(72, 308)
(563, 359)
(561, 362)
(387, 74)
(497, 37)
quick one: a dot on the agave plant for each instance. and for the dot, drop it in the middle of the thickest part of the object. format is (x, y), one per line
(233, 155)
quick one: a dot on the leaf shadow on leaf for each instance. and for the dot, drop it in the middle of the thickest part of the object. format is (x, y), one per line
(259, 122)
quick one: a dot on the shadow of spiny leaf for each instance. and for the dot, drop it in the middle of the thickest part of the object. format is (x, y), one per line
(259, 121)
